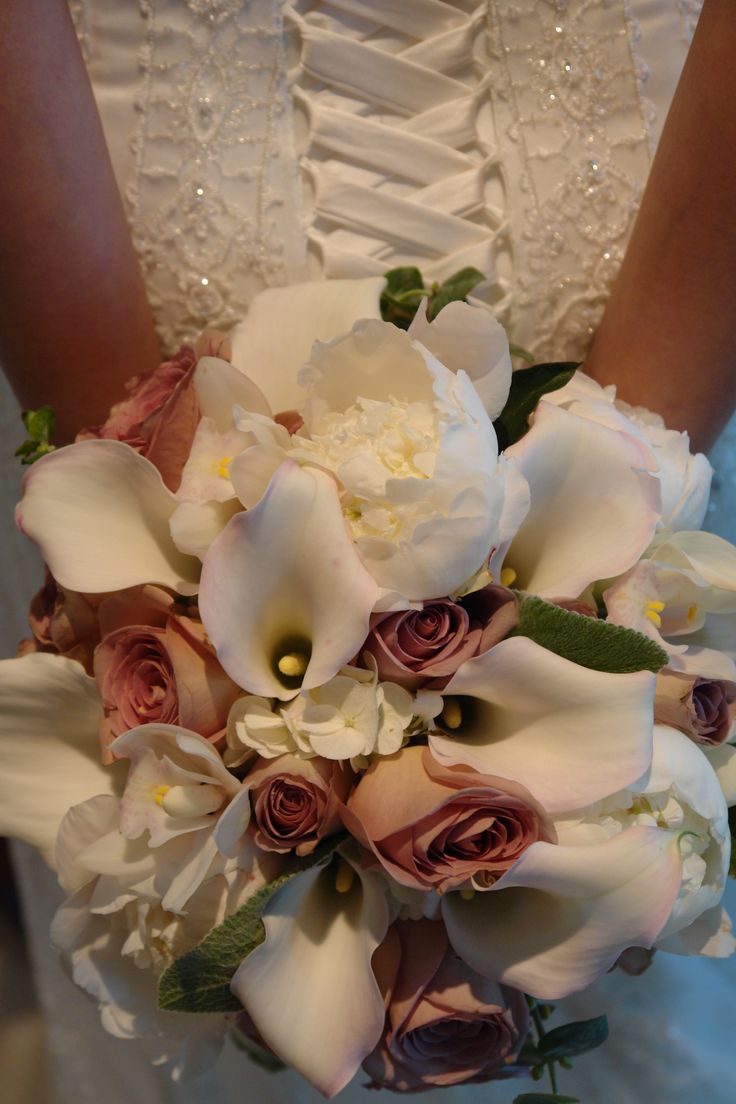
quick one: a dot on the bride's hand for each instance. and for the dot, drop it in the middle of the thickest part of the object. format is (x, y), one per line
(74, 321)
(668, 336)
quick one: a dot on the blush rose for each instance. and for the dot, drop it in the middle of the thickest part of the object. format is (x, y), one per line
(296, 802)
(424, 648)
(436, 827)
(445, 1024)
(704, 709)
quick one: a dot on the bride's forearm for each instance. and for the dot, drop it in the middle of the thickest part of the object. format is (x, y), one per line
(668, 337)
(74, 321)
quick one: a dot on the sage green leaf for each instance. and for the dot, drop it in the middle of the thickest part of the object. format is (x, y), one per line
(571, 1039)
(455, 288)
(518, 351)
(599, 645)
(545, 1098)
(199, 981)
(40, 426)
(528, 386)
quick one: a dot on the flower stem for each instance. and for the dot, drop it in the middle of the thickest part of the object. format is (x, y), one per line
(539, 1025)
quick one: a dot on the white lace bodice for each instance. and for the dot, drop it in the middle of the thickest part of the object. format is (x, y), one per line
(514, 135)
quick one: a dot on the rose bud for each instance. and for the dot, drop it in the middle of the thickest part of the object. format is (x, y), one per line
(425, 647)
(64, 622)
(445, 1024)
(704, 709)
(296, 802)
(166, 673)
(436, 827)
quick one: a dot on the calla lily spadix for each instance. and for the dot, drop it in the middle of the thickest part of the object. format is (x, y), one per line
(275, 339)
(309, 987)
(99, 513)
(284, 596)
(594, 503)
(49, 747)
(570, 735)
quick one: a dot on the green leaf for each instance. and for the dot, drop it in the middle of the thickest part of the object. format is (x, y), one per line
(456, 288)
(574, 1038)
(528, 386)
(732, 827)
(545, 1098)
(530, 1055)
(402, 295)
(266, 1059)
(518, 351)
(199, 981)
(40, 425)
(599, 645)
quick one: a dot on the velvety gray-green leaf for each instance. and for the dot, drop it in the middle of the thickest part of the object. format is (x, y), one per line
(587, 641)
(571, 1039)
(199, 981)
(528, 386)
(455, 289)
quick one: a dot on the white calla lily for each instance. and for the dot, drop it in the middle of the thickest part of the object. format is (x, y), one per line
(469, 339)
(594, 503)
(49, 746)
(563, 914)
(284, 596)
(275, 339)
(100, 513)
(723, 761)
(570, 735)
(309, 987)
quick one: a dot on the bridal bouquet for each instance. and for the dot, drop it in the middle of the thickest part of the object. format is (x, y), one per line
(378, 695)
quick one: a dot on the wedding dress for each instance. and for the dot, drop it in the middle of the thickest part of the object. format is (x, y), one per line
(258, 143)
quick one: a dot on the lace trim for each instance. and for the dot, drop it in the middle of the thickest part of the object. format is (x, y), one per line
(394, 166)
(79, 10)
(214, 201)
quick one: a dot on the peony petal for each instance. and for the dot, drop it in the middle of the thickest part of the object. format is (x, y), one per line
(284, 577)
(594, 507)
(723, 761)
(709, 935)
(309, 987)
(276, 337)
(100, 513)
(570, 735)
(560, 918)
(195, 525)
(49, 753)
(469, 339)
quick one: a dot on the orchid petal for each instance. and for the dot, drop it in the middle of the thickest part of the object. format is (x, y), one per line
(285, 576)
(275, 339)
(469, 339)
(570, 735)
(309, 987)
(220, 387)
(49, 750)
(196, 525)
(100, 513)
(562, 915)
(594, 507)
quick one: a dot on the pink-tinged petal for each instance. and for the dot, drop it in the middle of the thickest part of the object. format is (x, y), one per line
(568, 734)
(100, 514)
(284, 579)
(594, 505)
(173, 432)
(469, 339)
(562, 916)
(309, 988)
(49, 754)
(275, 339)
(220, 387)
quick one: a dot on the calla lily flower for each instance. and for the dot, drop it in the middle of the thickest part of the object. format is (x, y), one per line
(275, 339)
(594, 504)
(284, 597)
(309, 987)
(49, 749)
(568, 734)
(100, 513)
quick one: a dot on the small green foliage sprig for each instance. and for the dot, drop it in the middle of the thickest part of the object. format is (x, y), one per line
(40, 426)
(405, 289)
(556, 1048)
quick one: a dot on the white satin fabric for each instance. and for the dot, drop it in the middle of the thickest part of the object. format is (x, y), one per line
(258, 143)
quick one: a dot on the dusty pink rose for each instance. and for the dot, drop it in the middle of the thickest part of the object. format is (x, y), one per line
(64, 622)
(296, 802)
(161, 670)
(159, 417)
(704, 709)
(425, 647)
(445, 1024)
(436, 827)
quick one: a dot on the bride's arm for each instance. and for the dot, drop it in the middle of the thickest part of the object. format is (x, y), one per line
(74, 321)
(668, 337)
